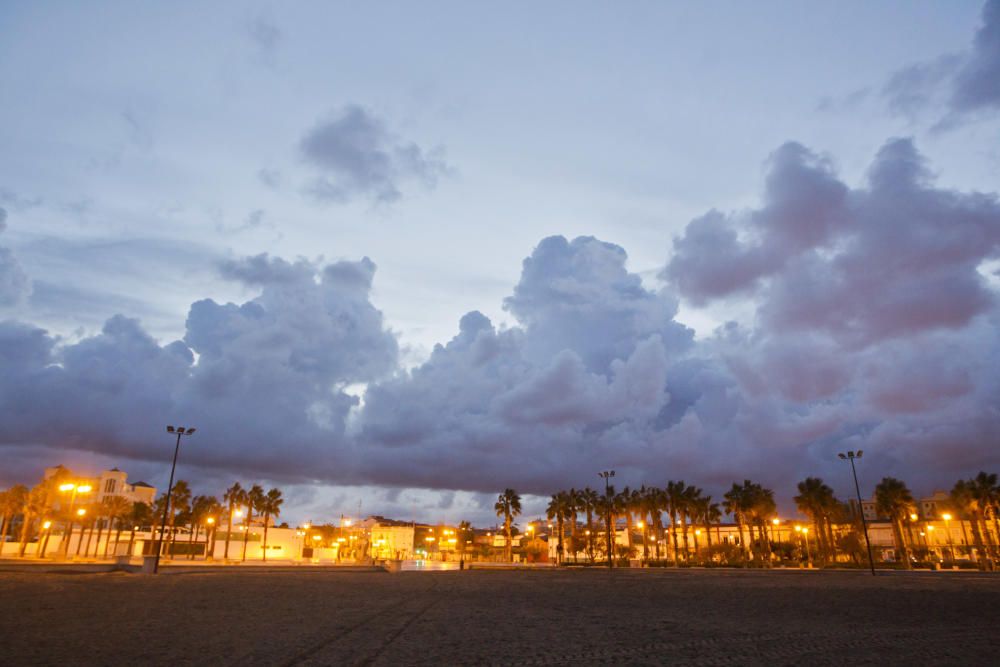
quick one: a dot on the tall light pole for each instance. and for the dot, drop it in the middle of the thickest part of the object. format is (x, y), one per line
(947, 526)
(850, 456)
(68, 532)
(607, 475)
(180, 430)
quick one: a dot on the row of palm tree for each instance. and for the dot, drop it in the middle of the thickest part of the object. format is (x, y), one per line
(752, 507)
(644, 507)
(266, 505)
(38, 509)
(975, 501)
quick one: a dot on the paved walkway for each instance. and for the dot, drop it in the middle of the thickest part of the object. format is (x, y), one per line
(323, 617)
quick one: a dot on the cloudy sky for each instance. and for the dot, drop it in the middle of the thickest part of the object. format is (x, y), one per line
(402, 257)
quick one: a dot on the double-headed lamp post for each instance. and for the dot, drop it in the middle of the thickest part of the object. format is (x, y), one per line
(850, 456)
(607, 475)
(68, 533)
(180, 430)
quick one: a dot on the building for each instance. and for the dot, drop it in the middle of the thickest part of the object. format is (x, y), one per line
(108, 484)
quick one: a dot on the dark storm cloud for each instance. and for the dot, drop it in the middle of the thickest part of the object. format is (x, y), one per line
(357, 156)
(963, 83)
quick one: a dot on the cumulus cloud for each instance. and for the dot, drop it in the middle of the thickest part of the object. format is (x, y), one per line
(264, 380)
(894, 257)
(962, 84)
(721, 255)
(874, 329)
(356, 155)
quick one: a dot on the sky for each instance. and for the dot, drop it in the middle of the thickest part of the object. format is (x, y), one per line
(394, 258)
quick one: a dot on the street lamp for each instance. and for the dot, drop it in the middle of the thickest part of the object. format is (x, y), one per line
(44, 543)
(75, 488)
(850, 456)
(607, 475)
(947, 525)
(180, 430)
(805, 532)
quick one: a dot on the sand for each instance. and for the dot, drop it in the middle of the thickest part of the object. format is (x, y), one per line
(480, 617)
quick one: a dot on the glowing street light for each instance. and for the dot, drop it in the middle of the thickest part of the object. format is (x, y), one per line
(179, 431)
(947, 524)
(75, 488)
(850, 456)
(44, 541)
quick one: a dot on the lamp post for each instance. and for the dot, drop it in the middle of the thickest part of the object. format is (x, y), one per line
(180, 430)
(68, 534)
(850, 456)
(947, 526)
(44, 543)
(607, 475)
(210, 546)
(79, 543)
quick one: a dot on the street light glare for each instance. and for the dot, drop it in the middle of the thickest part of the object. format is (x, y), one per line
(67, 487)
(86, 488)
(81, 512)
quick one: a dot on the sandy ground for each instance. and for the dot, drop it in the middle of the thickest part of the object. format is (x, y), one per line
(481, 617)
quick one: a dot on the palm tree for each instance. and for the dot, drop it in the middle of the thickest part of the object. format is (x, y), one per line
(762, 508)
(675, 507)
(574, 500)
(180, 504)
(894, 500)
(508, 506)
(271, 506)
(141, 514)
(985, 492)
(558, 510)
(589, 498)
(233, 497)
(626, 504)
(687, 509)
(736, 502)
(817, 501)
(656, 502)
(708, 514)
(254, 499)
(117, 509)
(965, 497)
(34, 508)
(608, 505)
(11, 503)
(198, 513)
